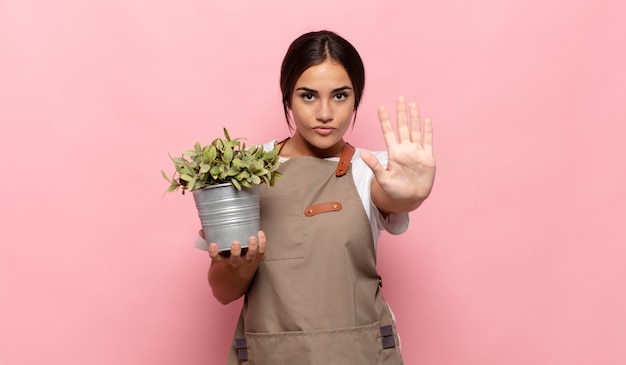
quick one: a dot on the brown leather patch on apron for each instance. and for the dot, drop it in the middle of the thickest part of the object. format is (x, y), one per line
(322, 208)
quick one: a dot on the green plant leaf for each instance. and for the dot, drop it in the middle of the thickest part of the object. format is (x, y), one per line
(228, 154)
(233, 143)
(233, 171)
(212, 153)
(190, 184)
(237, 162)
(269, 156)
(255, 166)
(188, 169)
(224, 161)
(186, 178)
(215, 170)
(242, 175)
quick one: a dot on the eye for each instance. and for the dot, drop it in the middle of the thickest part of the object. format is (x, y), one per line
(341, 96)
(307, 96)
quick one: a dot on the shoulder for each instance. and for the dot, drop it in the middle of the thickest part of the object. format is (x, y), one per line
(270, 145)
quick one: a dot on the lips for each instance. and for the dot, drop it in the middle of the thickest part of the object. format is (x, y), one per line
(324, 130)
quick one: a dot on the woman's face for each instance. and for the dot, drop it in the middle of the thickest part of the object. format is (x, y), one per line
(322, 107)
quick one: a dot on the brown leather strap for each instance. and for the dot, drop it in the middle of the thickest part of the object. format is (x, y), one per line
(344, 160)
(281, 144)
(322, 208)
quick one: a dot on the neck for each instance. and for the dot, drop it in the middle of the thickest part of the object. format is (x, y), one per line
(298, 146)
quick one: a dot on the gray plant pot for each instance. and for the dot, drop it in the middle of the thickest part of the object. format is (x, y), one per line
(228, 214)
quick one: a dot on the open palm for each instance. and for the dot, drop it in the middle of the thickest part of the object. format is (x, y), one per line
(410, 171)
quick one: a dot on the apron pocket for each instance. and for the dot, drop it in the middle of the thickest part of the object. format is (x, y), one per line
(345, 346)
(284, 214)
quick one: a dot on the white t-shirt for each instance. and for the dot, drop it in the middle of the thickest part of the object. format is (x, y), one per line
(395, 223)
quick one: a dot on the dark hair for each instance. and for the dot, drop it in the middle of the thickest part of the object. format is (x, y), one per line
(312, 49)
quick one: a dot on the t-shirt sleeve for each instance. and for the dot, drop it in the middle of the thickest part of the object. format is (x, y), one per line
(394, 223)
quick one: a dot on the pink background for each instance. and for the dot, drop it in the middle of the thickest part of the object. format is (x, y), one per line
(518, 257)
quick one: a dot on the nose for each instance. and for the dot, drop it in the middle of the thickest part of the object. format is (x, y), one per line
(324, 112)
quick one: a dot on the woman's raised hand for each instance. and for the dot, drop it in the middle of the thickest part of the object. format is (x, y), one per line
(408, 179)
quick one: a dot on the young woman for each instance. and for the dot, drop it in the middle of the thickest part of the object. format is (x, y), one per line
(312, 292)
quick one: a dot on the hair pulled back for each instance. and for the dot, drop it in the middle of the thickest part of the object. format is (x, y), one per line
(311, 49)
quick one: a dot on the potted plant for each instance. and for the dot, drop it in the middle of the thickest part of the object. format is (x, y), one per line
(224, 178)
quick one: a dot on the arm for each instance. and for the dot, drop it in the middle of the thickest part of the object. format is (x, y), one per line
(410, 173)
(230, 277)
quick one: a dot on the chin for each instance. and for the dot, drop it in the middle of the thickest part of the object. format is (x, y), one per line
(322, 143)
(327, 146)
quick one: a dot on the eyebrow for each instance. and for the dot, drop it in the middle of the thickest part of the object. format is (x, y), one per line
(312, 91)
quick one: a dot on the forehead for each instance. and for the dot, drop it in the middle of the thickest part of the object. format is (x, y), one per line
(328, 73)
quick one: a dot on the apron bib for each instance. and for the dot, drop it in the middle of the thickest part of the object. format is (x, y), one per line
(315, 299)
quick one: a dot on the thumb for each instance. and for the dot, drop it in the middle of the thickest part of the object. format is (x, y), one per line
(372, 162)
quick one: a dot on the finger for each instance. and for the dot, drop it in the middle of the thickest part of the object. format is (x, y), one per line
(201, 233)
(214, 252)
(428, 136)
(416, 123)
(403, 121)
(372, 162)
(262, 244)
(385, 126)
(235, 253)
(253, 246)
